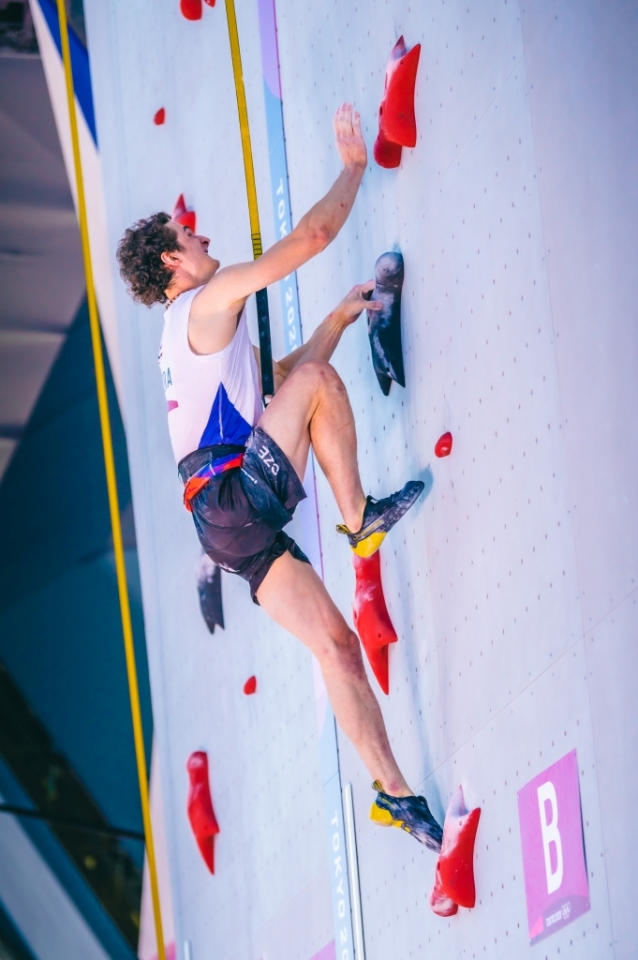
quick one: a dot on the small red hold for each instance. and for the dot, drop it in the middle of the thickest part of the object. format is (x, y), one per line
(200, 807)
(455, 866)
(397, 123)
(371, 618)
(181, 215)
(191, 9)
(211, 3)
(443, 446)
(250, 686)
(159, 117)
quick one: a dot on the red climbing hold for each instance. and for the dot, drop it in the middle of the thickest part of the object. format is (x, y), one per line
(180, 207)
(159, 117)
(371, 618)
(211, 3)
(182, 215)
(397, 123)
(443, 446)
(386, 153)
(441, 905)
(188, 219)
(191, 9)
(396, 115)
(455, 866)
(250, 686)
(200, 807)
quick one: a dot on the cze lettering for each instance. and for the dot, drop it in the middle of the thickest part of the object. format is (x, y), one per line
(166, 378)
(268, 459)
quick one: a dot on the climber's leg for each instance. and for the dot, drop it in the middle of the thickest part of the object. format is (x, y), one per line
(295, 597)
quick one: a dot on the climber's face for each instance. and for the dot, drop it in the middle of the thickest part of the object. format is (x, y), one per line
(190, 265)
(193, 256)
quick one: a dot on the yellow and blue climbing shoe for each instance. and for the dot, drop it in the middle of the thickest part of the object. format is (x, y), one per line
(379, 516)
(411, 814)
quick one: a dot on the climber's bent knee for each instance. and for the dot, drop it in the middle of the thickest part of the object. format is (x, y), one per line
(295, 596)
(315, 376)
(340, 652)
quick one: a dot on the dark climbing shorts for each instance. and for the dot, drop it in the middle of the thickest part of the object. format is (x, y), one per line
(240, 514)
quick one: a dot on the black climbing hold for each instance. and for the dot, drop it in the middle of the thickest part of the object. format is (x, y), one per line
(209, 588)
(384, 326)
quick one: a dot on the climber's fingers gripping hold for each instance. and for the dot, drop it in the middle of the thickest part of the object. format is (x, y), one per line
(356, 301)
(350, 142)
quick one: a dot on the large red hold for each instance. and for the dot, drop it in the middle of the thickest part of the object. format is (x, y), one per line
(455, 866)
(441, 905)
(199, 806)
(397, 122)
(396, 115)
(182, 215)
(371, 618)
(191, 9)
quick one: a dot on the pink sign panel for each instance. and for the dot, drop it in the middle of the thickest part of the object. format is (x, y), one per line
(328, 952)
(554, 863)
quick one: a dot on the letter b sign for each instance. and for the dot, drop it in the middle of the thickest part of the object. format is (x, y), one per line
(556, 886)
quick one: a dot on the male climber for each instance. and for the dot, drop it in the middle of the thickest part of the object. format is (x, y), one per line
(242, 466)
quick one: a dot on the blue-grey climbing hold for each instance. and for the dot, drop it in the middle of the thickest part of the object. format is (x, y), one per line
(384, 326)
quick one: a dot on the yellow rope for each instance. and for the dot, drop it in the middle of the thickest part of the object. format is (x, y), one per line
(109, 463)
(251, 189)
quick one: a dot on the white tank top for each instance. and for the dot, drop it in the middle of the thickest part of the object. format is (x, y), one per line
(212, 398)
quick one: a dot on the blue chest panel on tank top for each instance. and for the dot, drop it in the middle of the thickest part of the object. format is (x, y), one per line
(225, 423)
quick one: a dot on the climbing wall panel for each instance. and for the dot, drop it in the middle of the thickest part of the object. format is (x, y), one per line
(511, 584)
(484, 583)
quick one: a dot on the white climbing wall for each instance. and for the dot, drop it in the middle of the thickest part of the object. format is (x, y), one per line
(512, 586)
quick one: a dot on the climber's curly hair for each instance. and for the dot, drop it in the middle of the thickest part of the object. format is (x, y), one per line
(139, 256)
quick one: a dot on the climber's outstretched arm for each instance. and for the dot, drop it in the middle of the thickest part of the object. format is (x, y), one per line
(226, 292)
